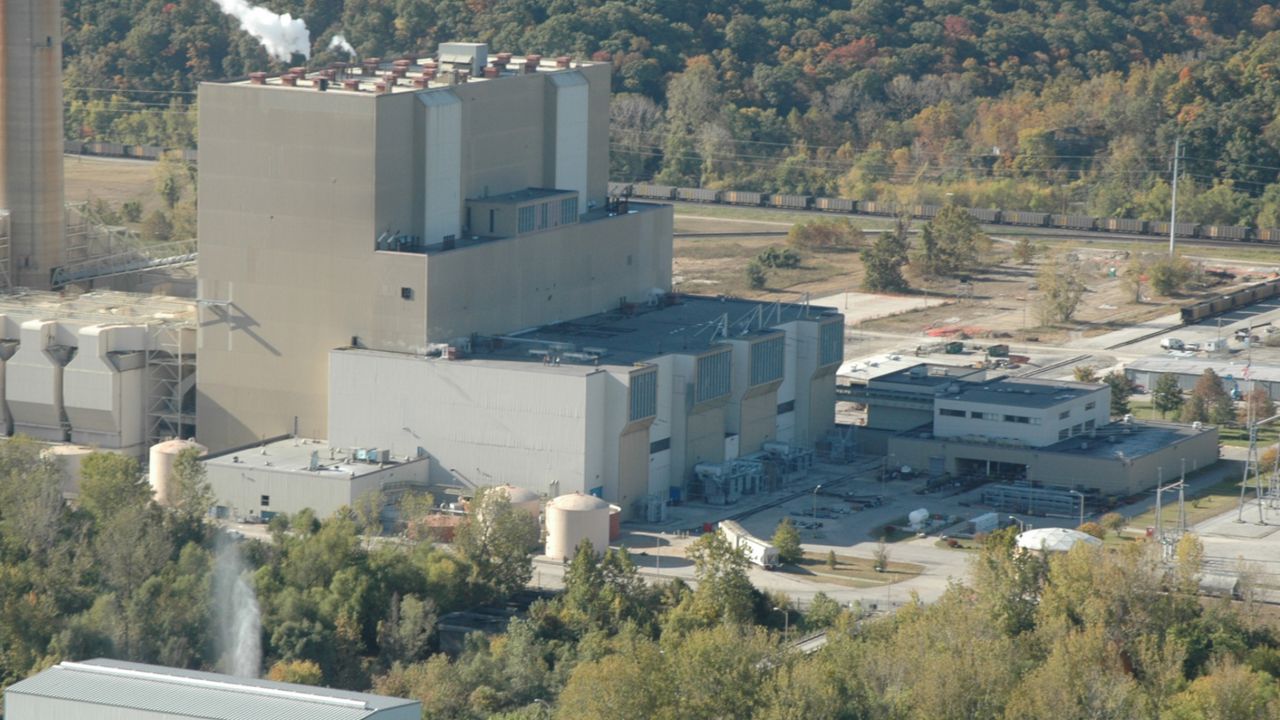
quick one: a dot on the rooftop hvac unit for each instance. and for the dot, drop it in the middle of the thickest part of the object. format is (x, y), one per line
(379, 456)
(360, 454)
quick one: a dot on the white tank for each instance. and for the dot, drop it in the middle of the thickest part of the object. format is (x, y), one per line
(69, 458)
(918, 517)
(573, 518)
(523, 498)
(160, 467)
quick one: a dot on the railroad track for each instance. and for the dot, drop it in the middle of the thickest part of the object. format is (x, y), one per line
(1054, 366)
(1147, 336)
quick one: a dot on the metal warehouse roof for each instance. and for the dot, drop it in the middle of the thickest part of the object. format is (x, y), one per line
(195, 694)
(1226, 368)
(1023, 392)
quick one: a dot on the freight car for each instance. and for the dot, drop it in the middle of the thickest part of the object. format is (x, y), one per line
(1231, 301)
(985, 215)
(790, 202)
(1021, 217)
(833, 205)
(654, 192)
(878, 207)
(701, 195)
(1073, 222)
(1123, 225)
(1181, 229)
(742, 197)
(1225, 232)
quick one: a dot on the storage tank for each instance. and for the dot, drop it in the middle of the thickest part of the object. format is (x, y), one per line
(160, 468)
(615, 523)
(523, 498)
(574, 518)
(68, 458)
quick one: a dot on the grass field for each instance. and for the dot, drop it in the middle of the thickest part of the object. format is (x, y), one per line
(1210, 502)
(852, 571)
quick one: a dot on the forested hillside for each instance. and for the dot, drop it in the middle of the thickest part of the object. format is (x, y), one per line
(1061, 106)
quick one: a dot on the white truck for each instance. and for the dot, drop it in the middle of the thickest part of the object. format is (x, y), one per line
(1172, 344)
(758, 551)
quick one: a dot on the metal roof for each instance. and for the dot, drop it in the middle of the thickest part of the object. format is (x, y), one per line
(1022, 392)
(1224, 367)
(194, 694)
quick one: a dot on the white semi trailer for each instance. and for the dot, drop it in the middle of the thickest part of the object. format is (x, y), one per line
(758, 551)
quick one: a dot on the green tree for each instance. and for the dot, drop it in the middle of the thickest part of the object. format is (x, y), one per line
(1121, 390)
(786, 538)
(756, 275)
(496, 540)
(882, 262)
(724, 592)
(831, 560)
(951, 242)
(157, 228)
(1166, 396)
(822, 613)
(111, 483)
(1061, 290)
(172, 176)
(191, 496)
(1170, 275)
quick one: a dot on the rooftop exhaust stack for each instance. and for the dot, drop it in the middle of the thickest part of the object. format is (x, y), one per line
(31, 137)
(471, 56)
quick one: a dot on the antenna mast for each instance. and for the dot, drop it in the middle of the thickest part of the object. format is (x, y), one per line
(1173, 212)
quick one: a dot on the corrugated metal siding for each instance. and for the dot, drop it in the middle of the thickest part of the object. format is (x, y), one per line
(173, 699)
(644, 395)
(767, 360)
(714, 375)
(831, 343)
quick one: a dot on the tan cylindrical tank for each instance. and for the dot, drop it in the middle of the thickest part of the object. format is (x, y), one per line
(69, 458)
(160, 469)
(523, 498)
(572, 519)
(31, 137)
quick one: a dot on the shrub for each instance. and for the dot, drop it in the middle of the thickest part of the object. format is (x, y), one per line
(825, 234)
(756, 275)
(1094, 529)
(774, 257)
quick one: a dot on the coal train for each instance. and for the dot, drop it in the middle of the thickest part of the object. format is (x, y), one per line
(1127, 226)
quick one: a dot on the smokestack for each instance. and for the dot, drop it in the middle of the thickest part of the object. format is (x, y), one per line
(31, 138)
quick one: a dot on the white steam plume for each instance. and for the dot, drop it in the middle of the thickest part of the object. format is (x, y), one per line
(283, 36)
(340, 43)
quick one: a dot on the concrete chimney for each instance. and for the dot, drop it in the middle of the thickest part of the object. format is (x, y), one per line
(31, 137)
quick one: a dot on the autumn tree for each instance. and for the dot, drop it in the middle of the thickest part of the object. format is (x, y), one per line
(497, 539)
(787, 540)
(882, 262)
(1085, 373)
(1061, 290)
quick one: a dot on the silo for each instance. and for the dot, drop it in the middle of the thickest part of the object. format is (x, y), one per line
(160, 468)
(574, 518)
(523, 498)
(69, 458)
(31, 137)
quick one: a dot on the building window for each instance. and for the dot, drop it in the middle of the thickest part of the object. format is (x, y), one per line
(658, 446)
(1076, 429)
(1064, 414)
(569, 211)
(1089, 425)
(786, 407)
(546, 211)
(493, 214)
(1035, 421)
(831, 343)
(406, 293)
(524, 219)
(714, 373)
(1017, 419)
(266, 501)
(1063, 434)
(767, 358)
(1090, 405)
(975, 415)
(644, 395)
(948, 412)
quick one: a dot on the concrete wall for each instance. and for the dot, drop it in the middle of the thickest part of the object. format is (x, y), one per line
(548, 276)
(1109, 475)
(295, 187)
(31, 137)
(1045, 426)
(240, 488)
(492, 423)
(104, 388)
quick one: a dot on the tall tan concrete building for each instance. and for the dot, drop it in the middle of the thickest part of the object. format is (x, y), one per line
(30, 141)
(400, 206)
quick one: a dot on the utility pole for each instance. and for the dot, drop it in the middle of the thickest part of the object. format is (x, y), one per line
(1173, 212)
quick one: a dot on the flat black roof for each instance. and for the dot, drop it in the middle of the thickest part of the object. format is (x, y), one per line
(1022, 392)
(685, 324)
(1126, 440)
(931, 376)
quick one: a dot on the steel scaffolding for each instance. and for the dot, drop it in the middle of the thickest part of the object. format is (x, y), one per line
(170, 376)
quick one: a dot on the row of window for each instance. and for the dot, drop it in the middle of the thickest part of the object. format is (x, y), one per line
(767, 360)
(538, 217)
(1077, 429)
(658, 446)
(993, 417)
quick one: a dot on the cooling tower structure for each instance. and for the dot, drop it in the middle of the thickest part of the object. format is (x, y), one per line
(31, 141)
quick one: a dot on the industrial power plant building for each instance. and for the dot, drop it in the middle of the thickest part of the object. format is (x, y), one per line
(418, 258)
(1047, 433)
(112, 689)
